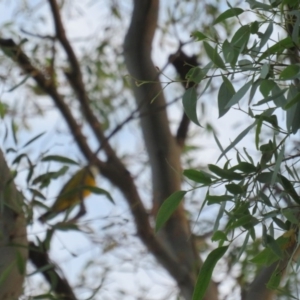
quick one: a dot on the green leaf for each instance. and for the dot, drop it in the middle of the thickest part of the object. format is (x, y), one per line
(225, 174)
(20, 83)
(219, 236)
(214, 55)
(239, 94)
(167, 208)
(277, 165)
(266, 87)
(290, 215)
(230, 53)
(246, 221)
(197, 176)
(242, 249)
(65, 226)
(237, 140)
(226, 92)
(98, 191)
(254, 27)
(44, 179)
(217, 199)
(278, 48)
(273, 245)
(292, 102)
(289, 188)
(265, 258)
(295, 33)
(245, 167)
(253, 89)
(290, 72)
(189, 101)
(264, 177)
(206, 271)
(273, 97)
(278, 97)
(240, 39)
(229, 13)
(280, 223)
(195, 75)
(220, 215)
(234, 189)
(199, 36)
(265, 69)
(246, 65)
(275, 279)
(259, 5)
(266, 36)
(257, 131)
(33, 139)
(59, 158)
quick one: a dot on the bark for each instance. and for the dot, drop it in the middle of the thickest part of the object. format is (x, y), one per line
(13, 238)
(39, 257)
(163, 151)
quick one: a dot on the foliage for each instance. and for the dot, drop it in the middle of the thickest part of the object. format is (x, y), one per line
(256, 194)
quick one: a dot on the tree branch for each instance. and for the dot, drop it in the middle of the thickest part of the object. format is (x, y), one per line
(60, 286)
(75, 79)
(113, 169)
(164, 153)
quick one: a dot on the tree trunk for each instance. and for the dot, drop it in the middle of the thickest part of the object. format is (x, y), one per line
(163, 151)
(13, 238)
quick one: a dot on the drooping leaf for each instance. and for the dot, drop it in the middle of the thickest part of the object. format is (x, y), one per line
(59, 158)
(259, 5)
(289, 188)
(225, 93)
(245, 167)
(206, 271)
(240, 39)
(266, 36)
(214, 55)
(33, 139)
(277, 165)
(239, 94)
(292, 102)
(98, 191)
(197, 176)
(265, 69)
(275, 279)
(195, 75)
(234, 189)
(211, 199)
(199, 36)
(167, 208)
(264, 177)
(245, 221)
(290, 215)
(219, 235)
(290, 72)
(225, 174)
(189, 101)
(237, 140)
(229, 13)
(278, 48)
(266, 87)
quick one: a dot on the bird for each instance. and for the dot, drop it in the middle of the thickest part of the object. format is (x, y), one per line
(73, 192)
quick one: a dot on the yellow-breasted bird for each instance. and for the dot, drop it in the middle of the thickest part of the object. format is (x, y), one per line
(73, 192)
